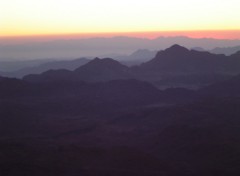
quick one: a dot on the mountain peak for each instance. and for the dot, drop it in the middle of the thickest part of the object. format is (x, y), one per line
(102, 70)
(175, 51)
(103, 62)
(177, 48)
(96, 59)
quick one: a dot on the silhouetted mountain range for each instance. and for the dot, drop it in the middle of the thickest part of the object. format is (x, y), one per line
(9, 65)
(197, 49)
(18, 69)
(53, 65)
(177, 66)
(225, 50)
(94, 71)
(220, 50)
(137, 57)
(97, 120)
(95, 47)
(174, 60)
(174, 66)
(178, 59)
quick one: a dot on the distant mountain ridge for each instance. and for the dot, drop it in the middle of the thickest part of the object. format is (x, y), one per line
(177, 65)
(137, 57)
(180, 59)
(21, 68)
(95, 47)
(96, 70)
(225, 50)
(220, 50)
(53, 65)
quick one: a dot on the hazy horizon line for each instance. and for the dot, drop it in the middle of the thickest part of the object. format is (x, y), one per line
(214, 34)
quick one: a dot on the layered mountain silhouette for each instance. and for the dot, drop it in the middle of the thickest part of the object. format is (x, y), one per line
(198, 49)
(178, 59)
(103, 46)
(94, 71)
(137, 57)
(178, 66)
(174, 66)
(51, 76)
(225, 50)
(65, 64)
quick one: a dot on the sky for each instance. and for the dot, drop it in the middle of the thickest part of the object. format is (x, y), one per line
(199, 18)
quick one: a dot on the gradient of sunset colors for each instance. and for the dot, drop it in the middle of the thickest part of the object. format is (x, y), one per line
(199, 18)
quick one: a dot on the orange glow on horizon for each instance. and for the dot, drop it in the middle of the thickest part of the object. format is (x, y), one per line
(216, 34)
